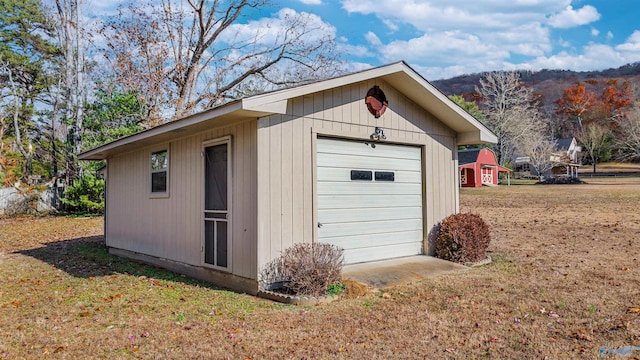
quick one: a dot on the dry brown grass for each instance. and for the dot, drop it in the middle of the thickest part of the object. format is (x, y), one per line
(611, 167)
(565, 275)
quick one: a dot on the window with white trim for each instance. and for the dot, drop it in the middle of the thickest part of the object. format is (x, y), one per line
(159, 171)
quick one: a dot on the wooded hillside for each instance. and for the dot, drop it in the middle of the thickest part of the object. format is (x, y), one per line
(548, 83)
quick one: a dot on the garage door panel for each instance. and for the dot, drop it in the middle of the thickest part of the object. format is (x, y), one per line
(354, 256)
(368, 227)
(355, 201)
(344, 174)
(331, 216)
(375, 240)
(367, 188)
(357, 148)
(369, 162)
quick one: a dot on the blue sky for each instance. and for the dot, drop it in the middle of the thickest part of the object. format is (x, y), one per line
(444, 38)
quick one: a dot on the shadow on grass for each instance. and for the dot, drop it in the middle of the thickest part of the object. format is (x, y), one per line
(87, 257)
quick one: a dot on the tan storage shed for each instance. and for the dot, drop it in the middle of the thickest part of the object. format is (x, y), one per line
(218, 194)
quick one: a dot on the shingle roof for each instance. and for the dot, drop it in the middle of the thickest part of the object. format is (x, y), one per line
(468, 156)
(563, 144)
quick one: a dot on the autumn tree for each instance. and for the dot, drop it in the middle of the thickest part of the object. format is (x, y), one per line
(616, 98)
(575, 102)
(511, 113)
(597, 108)
(186, 58)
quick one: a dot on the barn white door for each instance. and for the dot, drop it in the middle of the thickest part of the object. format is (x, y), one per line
(487, 176)
(370, 199)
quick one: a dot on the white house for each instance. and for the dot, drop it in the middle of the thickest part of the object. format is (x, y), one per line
(366, 161)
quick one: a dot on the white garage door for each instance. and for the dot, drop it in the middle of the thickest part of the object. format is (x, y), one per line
(369, 199)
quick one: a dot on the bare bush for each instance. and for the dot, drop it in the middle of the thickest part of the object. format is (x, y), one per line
(305, 269)
(463, 238)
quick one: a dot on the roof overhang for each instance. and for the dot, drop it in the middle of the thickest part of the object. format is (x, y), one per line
(399, 75)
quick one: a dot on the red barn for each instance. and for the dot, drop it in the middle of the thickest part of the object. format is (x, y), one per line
(479, 167)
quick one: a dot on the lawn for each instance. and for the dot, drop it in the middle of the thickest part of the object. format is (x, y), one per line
(565, 281)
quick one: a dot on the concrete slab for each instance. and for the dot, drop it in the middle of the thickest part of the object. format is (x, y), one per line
(386, 273)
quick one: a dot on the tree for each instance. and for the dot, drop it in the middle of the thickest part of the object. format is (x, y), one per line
(112, 115)
(575, 102)
(627, 141)
(597, 116)
(595, 140)
(73, 82)
(26, 51)
(511, 113)
(201, 55)
(469, 106)
(540, 152)
(616, 97)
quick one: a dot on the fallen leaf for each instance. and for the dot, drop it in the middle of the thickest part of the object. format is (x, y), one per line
(635, 310)
(581, 336)
(58, 349)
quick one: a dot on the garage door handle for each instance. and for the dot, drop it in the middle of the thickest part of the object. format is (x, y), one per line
(319, 225)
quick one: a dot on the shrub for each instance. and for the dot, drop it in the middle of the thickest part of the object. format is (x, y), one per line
(86, 195)
(462, 238)
(305, 269)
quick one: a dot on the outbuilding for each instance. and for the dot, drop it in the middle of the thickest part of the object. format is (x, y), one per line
(366, 161)
(479, 167)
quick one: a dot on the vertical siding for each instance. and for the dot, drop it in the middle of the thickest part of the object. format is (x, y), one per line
(286, 158)
(273, 162)
(171, 228)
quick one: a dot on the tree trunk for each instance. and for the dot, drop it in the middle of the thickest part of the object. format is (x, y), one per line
(79, 72)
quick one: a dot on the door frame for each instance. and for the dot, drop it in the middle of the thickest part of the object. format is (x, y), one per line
(205, 144)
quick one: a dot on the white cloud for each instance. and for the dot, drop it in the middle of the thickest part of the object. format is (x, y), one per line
(569, 17)
(595, 32)
(354, 50)
(468, 32)
(632, 44)
(390, 24)
(372, 39)
(564, 43)
(271, 30)
(311, 2)
(609, 35)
